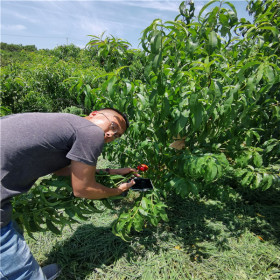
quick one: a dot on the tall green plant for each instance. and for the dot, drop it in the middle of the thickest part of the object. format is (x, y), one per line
(215, 95)
(111, 52)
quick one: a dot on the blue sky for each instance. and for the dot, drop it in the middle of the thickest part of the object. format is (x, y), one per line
(48, 24)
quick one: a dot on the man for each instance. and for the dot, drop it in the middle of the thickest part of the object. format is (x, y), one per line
(37, 144)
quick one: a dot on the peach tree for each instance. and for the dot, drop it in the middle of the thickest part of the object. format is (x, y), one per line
(206, 114)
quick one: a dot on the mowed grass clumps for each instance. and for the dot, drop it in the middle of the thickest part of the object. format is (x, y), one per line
(204, 239)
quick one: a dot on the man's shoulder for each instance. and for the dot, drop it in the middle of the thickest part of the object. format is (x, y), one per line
(40, 124)
(88, 129)
(57, 119)
(37, 116)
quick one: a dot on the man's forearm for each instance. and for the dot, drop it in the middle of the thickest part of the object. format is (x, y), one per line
(118, 171)
(98, 191)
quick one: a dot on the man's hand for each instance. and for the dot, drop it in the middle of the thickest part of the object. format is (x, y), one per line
(124, 171)
(126, 186)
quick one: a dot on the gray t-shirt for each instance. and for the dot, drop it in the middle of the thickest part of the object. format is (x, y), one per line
(37, 144)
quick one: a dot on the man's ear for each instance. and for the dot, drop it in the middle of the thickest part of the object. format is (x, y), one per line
(94, 113)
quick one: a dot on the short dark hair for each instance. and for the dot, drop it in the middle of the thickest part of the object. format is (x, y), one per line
(120, 113)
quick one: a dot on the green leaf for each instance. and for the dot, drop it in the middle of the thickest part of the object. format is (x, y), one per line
(240, 172)
(34, 225)
(46, 201)
(211, 171)
(240, 74)
(19, 81)
(193, 188)
(70, 212)
(79, 214)
(213, 40)
(228, 102)
(198, 116)
(269, 73)
(232, 7)
(142, 99)
(94, 209)
(180, 123)
(164, 216)
(156, 62)
(107, 203)
(205, 7)
(270, 145)
(110, 86)
(165, 108)
(143, 212)
(273, 29)
(88, 102)
(266, 181)
(116, 72)
(156, 42)
(181, 188)
(243, 160)
(145, 203)
(119, 224)
(52, 227)
(247, 179)
(28, 229)
(260, 73)
(138, 223)
(257, 159)
(257, 181)
(144, 37)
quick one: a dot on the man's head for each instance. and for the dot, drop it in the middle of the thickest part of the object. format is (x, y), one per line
(112, 121)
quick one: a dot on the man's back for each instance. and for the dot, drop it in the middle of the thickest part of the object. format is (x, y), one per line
(36, 144)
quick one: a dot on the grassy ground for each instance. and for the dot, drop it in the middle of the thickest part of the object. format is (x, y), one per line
(204, 239)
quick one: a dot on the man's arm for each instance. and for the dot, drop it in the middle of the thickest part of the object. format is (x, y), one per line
(119, 171)
(84, 183)
(66, 171)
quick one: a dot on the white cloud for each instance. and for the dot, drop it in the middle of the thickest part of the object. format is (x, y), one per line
(171, 6)
(16, 15)
(92, 27)
(12, 27)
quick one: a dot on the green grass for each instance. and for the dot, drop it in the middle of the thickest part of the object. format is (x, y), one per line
(204, 239)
